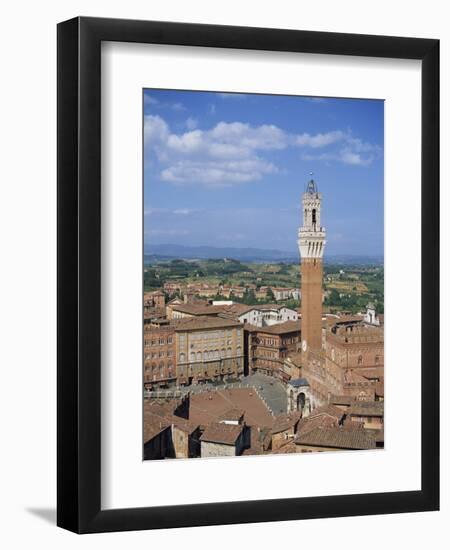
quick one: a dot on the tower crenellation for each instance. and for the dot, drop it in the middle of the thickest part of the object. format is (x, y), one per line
(311, 235)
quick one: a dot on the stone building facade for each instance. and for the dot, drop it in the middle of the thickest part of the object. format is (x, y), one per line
(223, 440)
(154, 303)
(268, 347)
(354, 343)
(209, 348)
(159, 355)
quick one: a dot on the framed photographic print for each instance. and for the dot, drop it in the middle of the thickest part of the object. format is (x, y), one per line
(248, 259)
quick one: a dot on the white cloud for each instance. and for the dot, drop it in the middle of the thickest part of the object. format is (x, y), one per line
(217, 173)
(319, 140)
(150, 100)
(230, 152)
(178, 107)
(183, 211)
(191, 123)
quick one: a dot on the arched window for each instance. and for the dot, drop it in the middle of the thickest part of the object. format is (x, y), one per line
(192, 356)
(199, 355)
(301, 399)
(314, 216)
(360, 360)
(182, 357)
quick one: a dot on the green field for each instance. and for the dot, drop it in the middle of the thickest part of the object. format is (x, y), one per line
(349, 287)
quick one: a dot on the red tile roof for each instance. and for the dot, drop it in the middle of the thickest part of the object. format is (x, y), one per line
(227, 434)
(336, 437)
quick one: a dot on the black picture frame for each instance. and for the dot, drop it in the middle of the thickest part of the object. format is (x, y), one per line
(79, 276)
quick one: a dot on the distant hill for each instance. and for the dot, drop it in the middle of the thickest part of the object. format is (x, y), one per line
(158, 252)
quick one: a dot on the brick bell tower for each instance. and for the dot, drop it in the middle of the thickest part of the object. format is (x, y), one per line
(311, 244)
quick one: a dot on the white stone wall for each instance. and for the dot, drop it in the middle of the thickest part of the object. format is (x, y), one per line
(268, 317)
(311, 236)
(209, 449)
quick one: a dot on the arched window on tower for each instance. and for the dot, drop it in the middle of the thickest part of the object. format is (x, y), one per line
(314, 217)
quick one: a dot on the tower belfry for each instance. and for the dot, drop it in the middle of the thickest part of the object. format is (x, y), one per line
(311, 245)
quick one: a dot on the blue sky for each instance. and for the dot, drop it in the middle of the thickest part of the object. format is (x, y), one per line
(230, 169)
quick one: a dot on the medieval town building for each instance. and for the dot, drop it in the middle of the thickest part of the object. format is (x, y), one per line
(226, 379)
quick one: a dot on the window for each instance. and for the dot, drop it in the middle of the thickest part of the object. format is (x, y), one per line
(360, 360)
(182, 357)
(377, 359)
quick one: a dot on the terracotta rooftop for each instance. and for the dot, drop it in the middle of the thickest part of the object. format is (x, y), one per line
(161, 407)
(232, 414)
(227, 434)
(198, 309)
(153, 425)
(280, 328)
(208, 406)
(337, 438)
(309, 423)
(285, 421)
(269, 306)
(198, 323)
(342, 399)
(184, 425)
(159, 415)
(367, 408)
(329, 410)
(288, 448)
